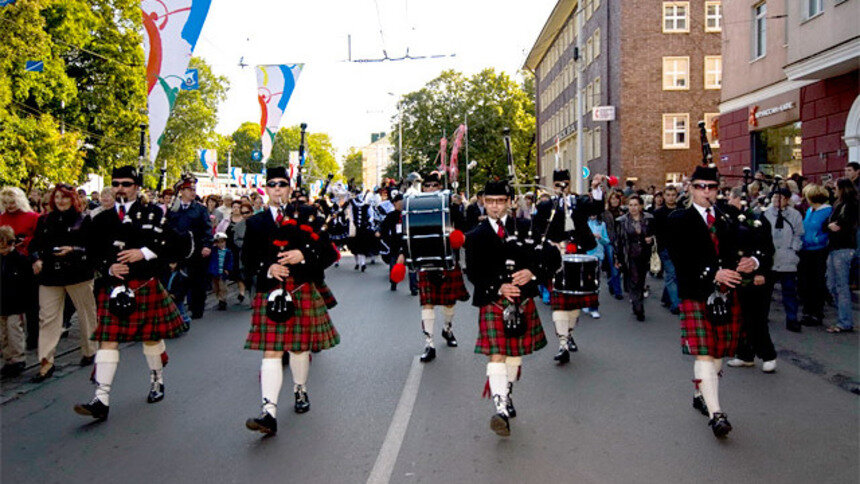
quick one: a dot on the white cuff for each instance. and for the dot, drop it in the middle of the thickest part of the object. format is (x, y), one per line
(757, 263)
(148, 254)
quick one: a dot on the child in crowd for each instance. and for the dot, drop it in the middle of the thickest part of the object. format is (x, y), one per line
(220, 266)
(598, 228)
(176, 284)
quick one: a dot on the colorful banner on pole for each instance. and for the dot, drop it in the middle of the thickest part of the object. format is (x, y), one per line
(171, 29)
(453, 168)
(209, 160)
(275, 84)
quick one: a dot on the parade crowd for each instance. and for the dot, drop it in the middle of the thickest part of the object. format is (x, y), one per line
(64, 251)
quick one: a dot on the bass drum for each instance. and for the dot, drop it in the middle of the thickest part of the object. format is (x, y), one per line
(579, 275)
(427, 223)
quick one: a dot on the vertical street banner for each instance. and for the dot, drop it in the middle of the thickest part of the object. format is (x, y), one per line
(453, 166)
(275, 84)
(170, 32)
(209, 160)
(443, 154)
(293, 168)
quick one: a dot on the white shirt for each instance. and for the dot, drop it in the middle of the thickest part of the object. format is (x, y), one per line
(494, 223)
(703, 211)
(147, 254)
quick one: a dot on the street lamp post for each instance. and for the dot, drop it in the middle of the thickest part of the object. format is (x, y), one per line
(399, 137)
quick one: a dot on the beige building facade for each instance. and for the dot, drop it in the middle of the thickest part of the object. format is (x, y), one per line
(376, 157)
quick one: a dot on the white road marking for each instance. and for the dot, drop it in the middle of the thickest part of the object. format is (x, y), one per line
(384, 466)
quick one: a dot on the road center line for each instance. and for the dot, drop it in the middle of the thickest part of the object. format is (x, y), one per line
(384, 466)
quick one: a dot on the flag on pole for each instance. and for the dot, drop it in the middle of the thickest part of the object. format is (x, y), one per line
(209, 160)
(293, 170)
(275, 84)
(453, 167)
(236, 174)
(557, 150)
(443, 153)
(171, 29)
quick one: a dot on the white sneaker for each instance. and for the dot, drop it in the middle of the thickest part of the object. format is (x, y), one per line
(594, 314)
(769, 366)
(738, 363)
(586, 310)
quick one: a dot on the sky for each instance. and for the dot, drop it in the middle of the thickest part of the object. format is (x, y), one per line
(349, 100)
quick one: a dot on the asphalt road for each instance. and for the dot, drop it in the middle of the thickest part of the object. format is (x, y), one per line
(619, 412)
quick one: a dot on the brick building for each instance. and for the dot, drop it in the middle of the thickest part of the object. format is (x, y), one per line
(659, 65)
(790, 94)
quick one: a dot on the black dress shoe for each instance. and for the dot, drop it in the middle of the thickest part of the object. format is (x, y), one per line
(363, 268)
(449, 338)
(156, 393)
(810, 321)
(355, 268)
(413, 292)
(12, 370)
(302, 402)
(428, 355)
(619, 296)
(393, 286)
(699, 404)
(265, 423)
(562, 357)
(512, 412)
(640, 316)
(675, 311)
(222, 305)
(500, 425)
(40, 377)
(95, 409)
(87, 360)
(720, 425)
(794, 327)
(571, 344)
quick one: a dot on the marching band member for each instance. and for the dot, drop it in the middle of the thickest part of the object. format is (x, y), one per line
(438, 288)
(286, 255)
(564, 220)
(500, 264)
(361, 240)
(703, 245)
(130, 245)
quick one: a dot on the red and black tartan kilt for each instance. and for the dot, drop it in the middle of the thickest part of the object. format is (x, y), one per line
(491, 331)
(155, 318)
(310, 328)
(568, 302)
(327, 295)
(449, 291)
(702, 338)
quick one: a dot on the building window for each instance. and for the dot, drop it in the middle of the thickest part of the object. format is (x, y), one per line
(675, 127)
(589, 96)
(596, 5)
(589, 50)
(759, 40)
(596, 95)
(712, 128)
(676, 72)
(713, 71)
(596, 37)
(596, 141)
(813, 8)
(675, 17)
(713, 16)
(587, 141)
(588, 9)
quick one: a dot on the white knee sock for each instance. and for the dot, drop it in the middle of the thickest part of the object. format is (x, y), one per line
(561, 326)
(709, 386)
(428, 320)
(152, 353)
(718, 366)
(497, 374)
(448, 312)
(361, 259)
(512, 365)
(271, 379)
(106, 362)
(300, 365)
(573, 319)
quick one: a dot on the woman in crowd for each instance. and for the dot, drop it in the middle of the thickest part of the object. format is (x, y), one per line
(612, 212)
(240, 212)
(813, 255)
(61, 268)
(215, 216)
(15, 211)
(842, 242)
(106, 202)
(634, 234)
(657, 202)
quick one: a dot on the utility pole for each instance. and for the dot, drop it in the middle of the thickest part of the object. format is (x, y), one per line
(400, 140)
(580, 104)
(466, 123)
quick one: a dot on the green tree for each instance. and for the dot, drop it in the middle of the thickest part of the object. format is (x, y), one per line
(491, 101)
(319, 161)
(246, 139)
(352, 165)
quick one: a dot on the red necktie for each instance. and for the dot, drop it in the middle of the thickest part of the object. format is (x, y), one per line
(712, 229)
(280, 218)
(121, 212)
(501, 230)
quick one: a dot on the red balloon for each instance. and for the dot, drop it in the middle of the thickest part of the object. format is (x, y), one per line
(613, 180)
(457, 239)
(398, 272)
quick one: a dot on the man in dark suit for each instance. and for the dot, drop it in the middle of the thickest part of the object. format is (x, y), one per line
(475, 212)
(703, 244)
(189, 216)
(564, 220)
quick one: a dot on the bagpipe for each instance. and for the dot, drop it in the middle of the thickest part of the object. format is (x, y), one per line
(121, 302)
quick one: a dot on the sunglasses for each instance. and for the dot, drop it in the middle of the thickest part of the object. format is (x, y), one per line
(245, 212)
(560, 185)
(279, 184)
(125, 184)
(432, 185)
(706, 186)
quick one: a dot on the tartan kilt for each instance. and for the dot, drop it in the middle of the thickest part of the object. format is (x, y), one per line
(155, 318)
(451, 290)
(310, 328)
(491, 331)
(568, 302)
(327, 295)
(702, 338)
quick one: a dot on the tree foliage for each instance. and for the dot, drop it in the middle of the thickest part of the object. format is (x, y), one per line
(320, 158)
(352, 165)
(491, 101)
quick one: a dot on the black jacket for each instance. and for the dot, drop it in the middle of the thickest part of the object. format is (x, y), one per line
(693, 253)
(581, 207)
(302, 231)
(16, 276)
(630, 245)
(661, 224)
(58, 229)
(473, 212)
(486, 254)
(754, 239)
(194, 219)
(844, 215)
(389, 233)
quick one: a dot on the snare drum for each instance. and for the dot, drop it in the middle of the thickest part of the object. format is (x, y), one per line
(579, 275)
(427, 222)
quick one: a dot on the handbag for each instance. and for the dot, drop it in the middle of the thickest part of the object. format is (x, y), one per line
(656, 263)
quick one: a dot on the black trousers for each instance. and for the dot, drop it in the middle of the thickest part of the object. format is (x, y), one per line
(811, 282)
(32, 317)
(755, 335)
(198, 280)
(637, 273)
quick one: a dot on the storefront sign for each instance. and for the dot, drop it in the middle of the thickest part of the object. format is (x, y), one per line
(775, 110)
(603, 113)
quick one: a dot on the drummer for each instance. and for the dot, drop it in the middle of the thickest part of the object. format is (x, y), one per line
(439, 287)
(564, 220)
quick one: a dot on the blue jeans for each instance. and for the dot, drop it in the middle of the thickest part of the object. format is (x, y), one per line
(788, 282)
(180, 305)
(614, 272)
(670, 281)
(838, 276)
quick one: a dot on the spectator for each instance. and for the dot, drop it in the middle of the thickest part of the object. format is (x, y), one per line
(18, 214)
(813, 255)
(228, 226)
(106, 202)
(670, 297)
(612, 212)
(212, 203)
(787, 230)
(476, 212)
(842, 242)
(629, 188)
(658, 202)
(220, 267)
(598, 228)
(176, 284)
(61, 267)
(166, 199)
(15, 276)
(190, 216)
(257, 202)
(634, 234)
(246, 281)
(94, 200)
(226, 207)
(852, 172)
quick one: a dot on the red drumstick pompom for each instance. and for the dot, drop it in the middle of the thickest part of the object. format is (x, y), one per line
(457, 239)
(571, 248)
(398, 272)
(613, 180)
